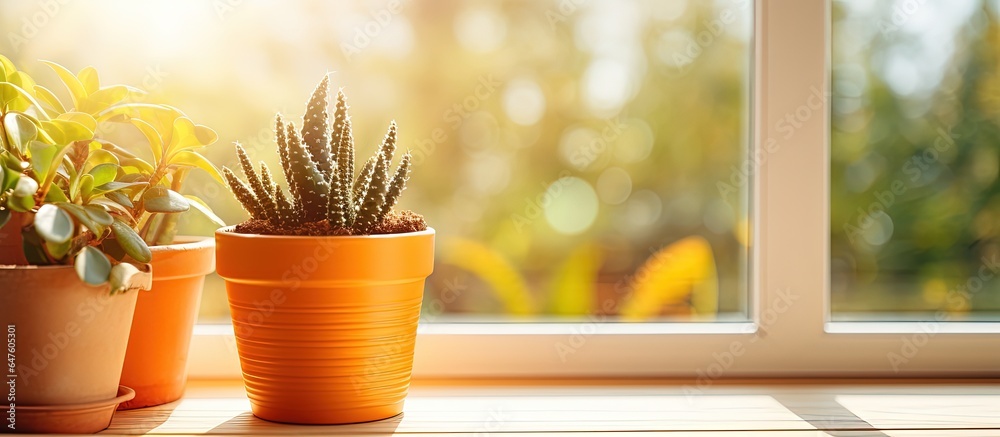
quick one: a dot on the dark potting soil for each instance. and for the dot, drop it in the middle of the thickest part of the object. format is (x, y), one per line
(394, 223)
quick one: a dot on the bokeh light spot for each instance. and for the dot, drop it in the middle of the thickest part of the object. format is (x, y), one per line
(614, 186)
(643, 208)
(480, 30)
(524, 102)
(570, 205)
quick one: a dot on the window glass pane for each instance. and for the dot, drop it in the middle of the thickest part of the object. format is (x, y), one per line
(575, 157)
(915, 226)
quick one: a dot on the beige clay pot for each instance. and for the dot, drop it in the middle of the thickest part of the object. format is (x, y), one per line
(68, 337)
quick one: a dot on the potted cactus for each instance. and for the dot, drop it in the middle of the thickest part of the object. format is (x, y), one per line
(156, 358)
(72, 256)
(325, 282)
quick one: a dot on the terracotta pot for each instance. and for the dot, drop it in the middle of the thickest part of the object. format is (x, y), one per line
(11, 252)
(325, 326)
(156, 360)
(69, 338)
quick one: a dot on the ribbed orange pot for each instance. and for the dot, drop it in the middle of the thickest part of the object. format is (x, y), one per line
(156, 359)
(325, 326)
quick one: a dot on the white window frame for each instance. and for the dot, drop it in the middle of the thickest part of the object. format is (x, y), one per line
(790, 333)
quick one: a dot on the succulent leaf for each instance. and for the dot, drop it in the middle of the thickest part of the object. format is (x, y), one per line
(344, 138)
(342, 141)
(243, 194)
(124, 277)
(286, 166)
(163, 199)
(336, 203)
(396, 187)
(266, 178)
(289, 217)
(92, 266)
(313, 189)
(131, 242)
(374, 198)
(364, 179)
(387, 149)
(261, 190)
(316, 128)
(53, 224)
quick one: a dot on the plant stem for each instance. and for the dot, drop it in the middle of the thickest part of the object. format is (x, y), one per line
(154, 179)
(168, 222)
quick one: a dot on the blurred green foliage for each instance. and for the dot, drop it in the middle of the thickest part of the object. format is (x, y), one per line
(915, 224)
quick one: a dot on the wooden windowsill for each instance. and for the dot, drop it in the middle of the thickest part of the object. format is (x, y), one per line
(566, 407)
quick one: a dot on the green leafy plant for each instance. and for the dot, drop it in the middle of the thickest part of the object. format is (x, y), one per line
(173, 145)
(173, 141)
(318, 164)
(88, 201)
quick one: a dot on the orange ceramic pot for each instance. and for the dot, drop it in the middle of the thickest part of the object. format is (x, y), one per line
(69, 342)
(156, 360)
(325, 326)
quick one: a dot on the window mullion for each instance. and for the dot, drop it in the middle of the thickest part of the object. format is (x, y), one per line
(791, 155)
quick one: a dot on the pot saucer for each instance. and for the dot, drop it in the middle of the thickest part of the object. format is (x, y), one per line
(85, 418)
